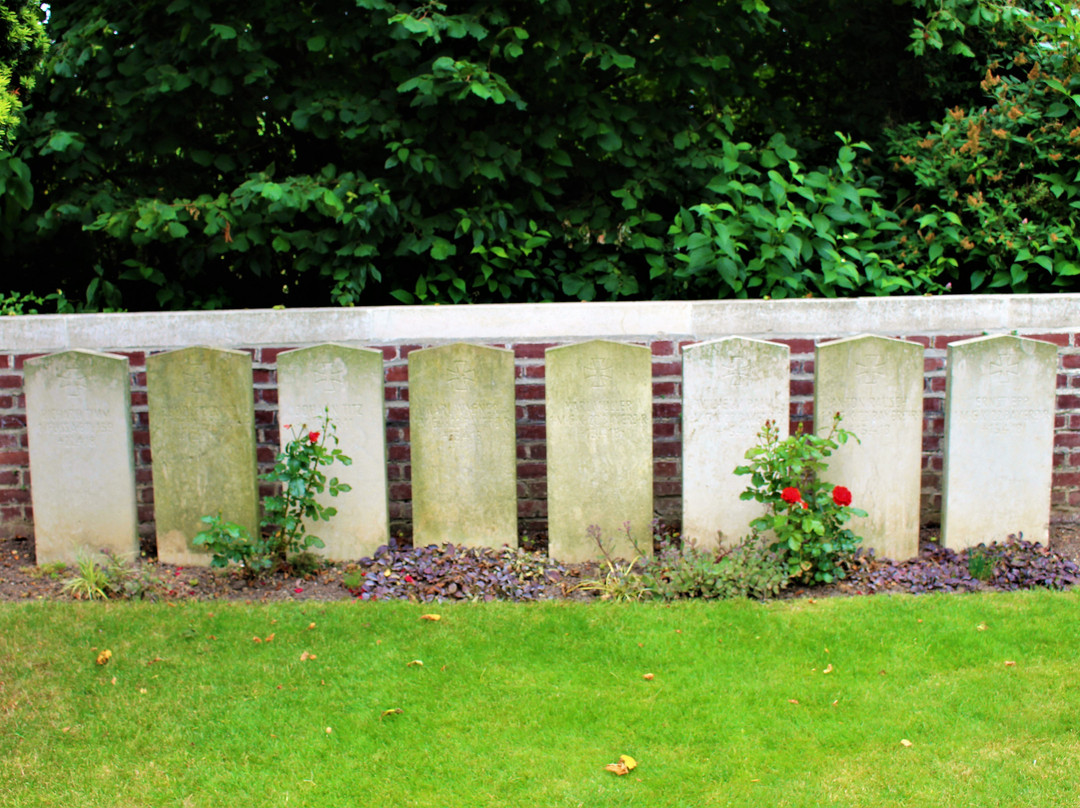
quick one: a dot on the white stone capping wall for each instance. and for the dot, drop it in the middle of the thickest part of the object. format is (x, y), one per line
(543, 322)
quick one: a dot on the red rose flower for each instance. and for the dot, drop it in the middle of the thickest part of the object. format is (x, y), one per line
(841, 496)
(791, 495)
(313, 437)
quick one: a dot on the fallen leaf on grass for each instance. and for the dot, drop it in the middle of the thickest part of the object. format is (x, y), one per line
(828, 669)
(329, 730)
(1010, 663)
(648, 676)
(104, 657)
(304, 657)
(391, 711)
(310, 626)
(905, 742)
(269, 638)
(981, 627)
(793, 701)
(416, 663)
(256, 639)
(625, 765)
(434, 618)
(152, 661)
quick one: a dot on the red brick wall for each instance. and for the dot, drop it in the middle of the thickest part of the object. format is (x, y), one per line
(16, 512)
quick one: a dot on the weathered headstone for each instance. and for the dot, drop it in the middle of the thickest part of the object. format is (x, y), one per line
(202, 436)
(345, 384)
(876, 384)
(730, 388)
(999, 440)
(599, 450)
(464, 456)
(78, 413)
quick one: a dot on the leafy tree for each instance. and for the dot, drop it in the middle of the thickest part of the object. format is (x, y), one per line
(22, 47)
(194, 154)
(990, 190)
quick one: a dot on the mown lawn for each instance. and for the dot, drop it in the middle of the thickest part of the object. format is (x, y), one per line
(796, 703)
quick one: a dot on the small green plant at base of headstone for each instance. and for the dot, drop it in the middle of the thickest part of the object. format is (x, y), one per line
(53, 569)
(683, 570)
(805, 514)
(90, 581)
(108, 576)
(748, 569)
(621, 580)
(284, 530)
(981, 563)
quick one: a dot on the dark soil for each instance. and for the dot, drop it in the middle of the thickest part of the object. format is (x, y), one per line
(21, 579)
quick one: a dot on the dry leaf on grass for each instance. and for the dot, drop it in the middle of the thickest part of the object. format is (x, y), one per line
(1010, 663)
(310, 626)
(416, 663)
(981, 627)
(648, 676)
(793, 701)
(304, 657)
(391, 711)
(905, 742)
(104, 657)
(625, 765)
(828, 669)
(269, 638)
(434, 618)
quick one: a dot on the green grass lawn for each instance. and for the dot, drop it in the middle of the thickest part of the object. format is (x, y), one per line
(524, 704)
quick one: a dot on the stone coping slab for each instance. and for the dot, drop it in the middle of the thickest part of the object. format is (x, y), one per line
(540, 322)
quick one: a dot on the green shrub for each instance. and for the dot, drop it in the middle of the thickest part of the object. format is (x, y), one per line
(804, 515)
(748, 569)
(989, 193)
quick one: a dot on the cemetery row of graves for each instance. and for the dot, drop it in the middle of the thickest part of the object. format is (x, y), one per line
(998, 451)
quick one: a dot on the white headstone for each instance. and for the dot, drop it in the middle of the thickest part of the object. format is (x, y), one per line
(202, 438)
(463, 445)
(347, 385)
(730, 388)
(876, 384)
(599, 449)
(999, 440)
(78, 412)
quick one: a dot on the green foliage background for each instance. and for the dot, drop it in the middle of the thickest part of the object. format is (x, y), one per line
(23, 44)
(186, 154)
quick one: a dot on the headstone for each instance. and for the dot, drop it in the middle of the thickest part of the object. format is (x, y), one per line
(345, 384)
(876, 384)
(202, 438)
(82, 474)
(999, 440)
(463, 439)
(599, 450)
(730, 388)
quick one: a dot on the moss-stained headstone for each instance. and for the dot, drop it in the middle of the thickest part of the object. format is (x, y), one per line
(999, 440)
(461, 426)
(876, 384)
(730, 388)
(599, 449)
(202, 436)
(346, 384)
(78, 411)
